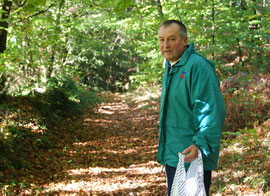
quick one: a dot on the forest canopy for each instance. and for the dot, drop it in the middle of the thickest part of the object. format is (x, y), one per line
(112, 45)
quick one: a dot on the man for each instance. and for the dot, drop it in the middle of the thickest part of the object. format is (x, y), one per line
(192, 108)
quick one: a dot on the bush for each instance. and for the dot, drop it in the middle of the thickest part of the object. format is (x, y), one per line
(247, 101)
(31, 124)
(67, 98)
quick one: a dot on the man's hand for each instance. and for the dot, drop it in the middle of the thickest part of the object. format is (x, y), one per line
(193, 153)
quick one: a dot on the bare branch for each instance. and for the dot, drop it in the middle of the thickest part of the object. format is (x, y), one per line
(42, 11)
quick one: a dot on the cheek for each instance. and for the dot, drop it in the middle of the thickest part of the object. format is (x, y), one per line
(161, 48)
(176, 47)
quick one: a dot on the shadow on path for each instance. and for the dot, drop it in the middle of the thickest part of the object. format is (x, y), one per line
(111, 151)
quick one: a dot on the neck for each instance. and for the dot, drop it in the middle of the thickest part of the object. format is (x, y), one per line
(174, 62)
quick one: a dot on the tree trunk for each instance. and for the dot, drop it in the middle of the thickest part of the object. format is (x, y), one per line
(6, 6)
(240, 54)
(51, 65)
(3, 32)
(159, 7)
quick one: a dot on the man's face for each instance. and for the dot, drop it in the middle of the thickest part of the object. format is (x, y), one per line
(171, 45)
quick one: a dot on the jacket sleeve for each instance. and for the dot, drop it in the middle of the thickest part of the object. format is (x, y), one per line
(208, 108)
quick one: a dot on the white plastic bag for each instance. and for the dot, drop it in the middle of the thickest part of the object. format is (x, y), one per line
(189, 183)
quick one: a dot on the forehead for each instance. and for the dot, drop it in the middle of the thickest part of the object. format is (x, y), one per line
(171, 30)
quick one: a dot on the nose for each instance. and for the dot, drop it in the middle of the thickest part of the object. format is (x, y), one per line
(166, 44)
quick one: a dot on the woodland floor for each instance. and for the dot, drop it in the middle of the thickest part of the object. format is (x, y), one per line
(111, 150)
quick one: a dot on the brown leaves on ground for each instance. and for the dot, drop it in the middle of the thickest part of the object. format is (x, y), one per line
(247, 100)
(111, 150)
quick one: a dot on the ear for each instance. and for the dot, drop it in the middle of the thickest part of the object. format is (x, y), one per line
(185, 41)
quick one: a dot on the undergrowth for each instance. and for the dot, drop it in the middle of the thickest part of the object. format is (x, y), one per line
(30, 126)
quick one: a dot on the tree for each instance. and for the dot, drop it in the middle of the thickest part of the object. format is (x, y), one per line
(6, 8)
(14, 13)
(107, 45)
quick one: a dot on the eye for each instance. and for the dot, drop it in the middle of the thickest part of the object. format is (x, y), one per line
(161, 40)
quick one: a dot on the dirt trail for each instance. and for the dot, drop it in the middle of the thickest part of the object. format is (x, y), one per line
(113, 152)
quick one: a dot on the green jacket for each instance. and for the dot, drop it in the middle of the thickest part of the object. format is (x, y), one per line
(192, 110)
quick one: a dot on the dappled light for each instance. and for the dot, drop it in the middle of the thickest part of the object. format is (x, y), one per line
(112, 108)
(100, 180)
(119, 159)
(236, 148)
(115, 154)
(80, 89)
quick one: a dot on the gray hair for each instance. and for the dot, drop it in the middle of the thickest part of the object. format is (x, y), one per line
(182, 27)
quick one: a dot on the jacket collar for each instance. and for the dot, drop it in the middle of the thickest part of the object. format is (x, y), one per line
(190, 50)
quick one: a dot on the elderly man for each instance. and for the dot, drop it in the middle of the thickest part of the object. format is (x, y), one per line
(192, 108)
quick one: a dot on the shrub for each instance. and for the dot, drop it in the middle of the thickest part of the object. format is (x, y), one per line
(247, 100)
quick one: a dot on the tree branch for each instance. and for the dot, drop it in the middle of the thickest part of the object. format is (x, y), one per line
(22, 4)
(40, 12)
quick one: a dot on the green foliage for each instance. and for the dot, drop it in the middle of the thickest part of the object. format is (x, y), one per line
(31, 123)
(252, 171)
(66, 98)
(123, 5)
(106, 44)
(103, 55)
(12, 154)
(31, 4)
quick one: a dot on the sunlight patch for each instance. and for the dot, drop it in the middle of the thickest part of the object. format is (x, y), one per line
(235, 148)
(128, 151)
(98, 120)
(150, 167)
(82, 143)
(112, 108)
(105, 111)
(108, 180)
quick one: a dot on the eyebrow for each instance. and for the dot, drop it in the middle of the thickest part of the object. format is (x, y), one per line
(168, 37)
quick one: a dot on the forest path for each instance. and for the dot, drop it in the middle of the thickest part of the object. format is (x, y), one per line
(111, 151)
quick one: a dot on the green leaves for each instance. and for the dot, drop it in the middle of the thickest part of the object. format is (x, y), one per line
(106, 44)
(36, 2)
(31, 5)
(122, 5)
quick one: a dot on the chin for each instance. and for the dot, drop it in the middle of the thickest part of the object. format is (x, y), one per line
(168, 58)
